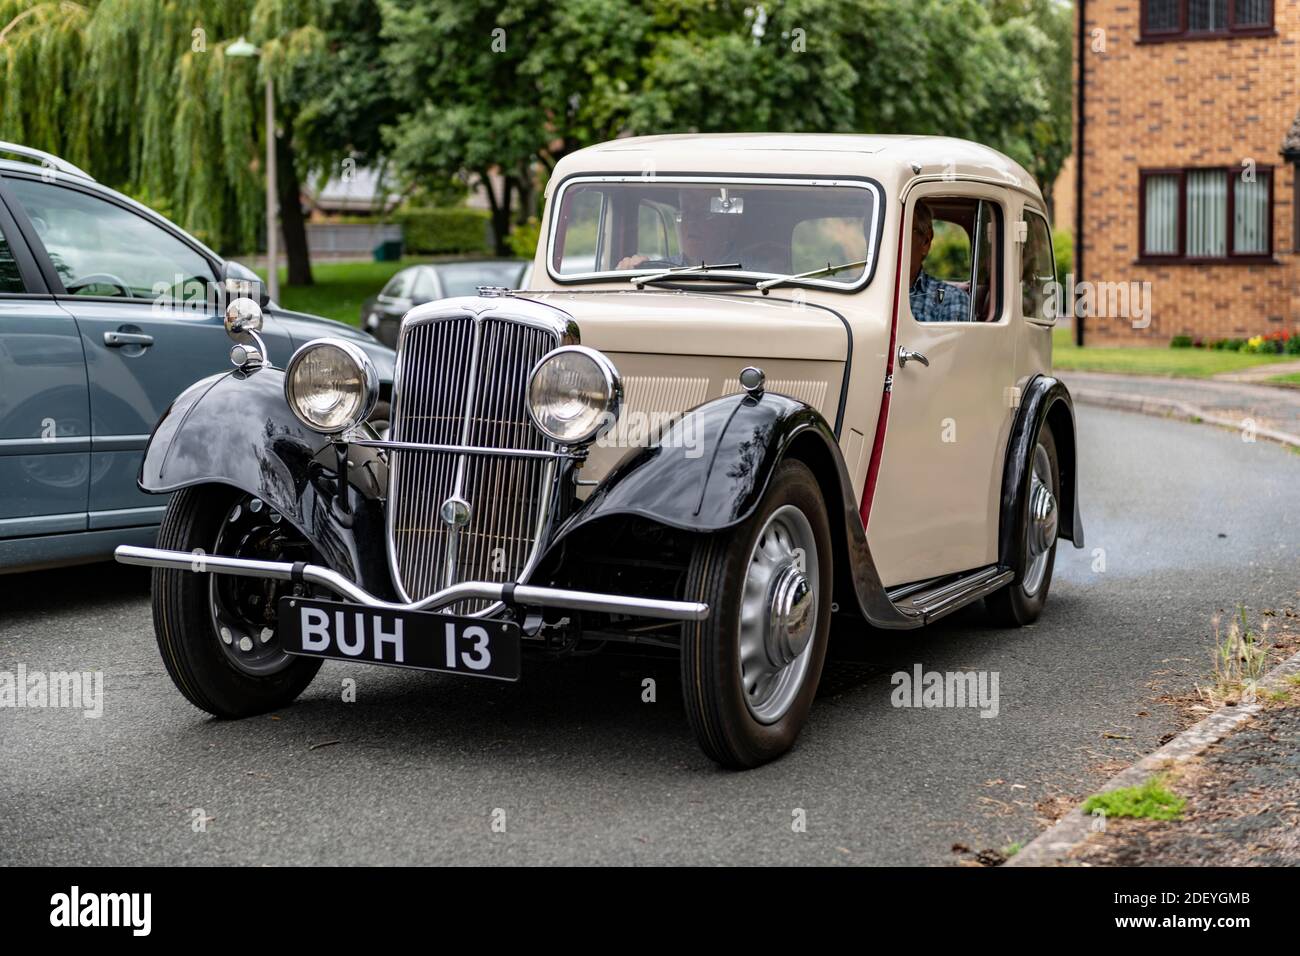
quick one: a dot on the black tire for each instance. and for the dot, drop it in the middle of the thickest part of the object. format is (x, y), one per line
(183, 620)
(1013, 605)
(712, 685)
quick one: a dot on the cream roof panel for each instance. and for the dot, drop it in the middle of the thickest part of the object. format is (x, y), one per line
(889, 159)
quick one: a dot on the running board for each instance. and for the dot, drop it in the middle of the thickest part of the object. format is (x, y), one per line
(927, 601)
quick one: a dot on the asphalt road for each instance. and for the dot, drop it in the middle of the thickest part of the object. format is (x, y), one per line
(1192, 521)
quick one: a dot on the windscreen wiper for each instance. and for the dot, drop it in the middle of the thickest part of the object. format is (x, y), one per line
(830, 270)
(639, 281)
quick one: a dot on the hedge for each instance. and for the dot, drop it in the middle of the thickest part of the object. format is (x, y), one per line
(427, 231)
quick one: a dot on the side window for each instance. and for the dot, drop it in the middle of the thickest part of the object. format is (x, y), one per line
(101, 249)
(656, 230)
(10, 280)
(423, 289)
(1038, 295)
(956, 243)
(582, 228)
(827, 241)
(399, 286)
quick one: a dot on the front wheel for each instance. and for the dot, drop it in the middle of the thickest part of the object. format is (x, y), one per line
(217, 633)
(750, 671)
(1037, 518)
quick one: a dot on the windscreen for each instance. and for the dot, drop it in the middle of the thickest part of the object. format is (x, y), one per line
(759, 229)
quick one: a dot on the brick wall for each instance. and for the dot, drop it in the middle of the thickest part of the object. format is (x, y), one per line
(1210, 102)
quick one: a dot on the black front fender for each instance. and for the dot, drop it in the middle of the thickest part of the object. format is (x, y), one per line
(236, 429)
(709, 471)
(1046, 400)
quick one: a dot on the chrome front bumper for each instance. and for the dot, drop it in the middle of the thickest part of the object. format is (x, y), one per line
(524, 594)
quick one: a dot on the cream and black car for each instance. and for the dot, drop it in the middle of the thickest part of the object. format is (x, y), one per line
(760, 387)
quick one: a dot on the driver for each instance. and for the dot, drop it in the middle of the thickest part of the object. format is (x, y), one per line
(933, 300)
(704, 236)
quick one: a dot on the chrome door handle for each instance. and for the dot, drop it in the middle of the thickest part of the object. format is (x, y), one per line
(115, 340)
(906, 355)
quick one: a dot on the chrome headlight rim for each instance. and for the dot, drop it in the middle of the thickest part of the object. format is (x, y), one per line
(613, 395)
(369, 377)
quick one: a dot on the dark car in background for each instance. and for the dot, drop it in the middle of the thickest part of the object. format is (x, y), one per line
(382, 315)
(107, 313)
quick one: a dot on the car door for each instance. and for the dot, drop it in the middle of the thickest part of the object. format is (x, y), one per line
(44, 402)
(937, 498)
(143, 303)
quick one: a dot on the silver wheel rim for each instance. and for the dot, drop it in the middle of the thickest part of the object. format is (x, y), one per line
(1043, 520)
(778, 614)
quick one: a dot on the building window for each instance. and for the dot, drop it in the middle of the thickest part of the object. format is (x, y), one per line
(1195, 19)
(1206, 215)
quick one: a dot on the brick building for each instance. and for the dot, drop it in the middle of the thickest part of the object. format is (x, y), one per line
(1186, 136)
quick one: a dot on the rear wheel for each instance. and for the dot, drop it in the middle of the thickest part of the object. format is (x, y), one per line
(1020, 602)
(217, 633)
(750, 672)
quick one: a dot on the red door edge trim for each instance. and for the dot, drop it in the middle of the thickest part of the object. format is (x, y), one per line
(878, 445)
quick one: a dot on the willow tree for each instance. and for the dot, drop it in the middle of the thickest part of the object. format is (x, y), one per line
(142, 95)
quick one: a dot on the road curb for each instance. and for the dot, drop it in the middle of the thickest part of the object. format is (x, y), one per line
(1172, 408)
(1052, 846)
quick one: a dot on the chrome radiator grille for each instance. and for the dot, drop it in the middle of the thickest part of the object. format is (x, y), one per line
(463, 381)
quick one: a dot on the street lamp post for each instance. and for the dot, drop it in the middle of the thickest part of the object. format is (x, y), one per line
(242, 48)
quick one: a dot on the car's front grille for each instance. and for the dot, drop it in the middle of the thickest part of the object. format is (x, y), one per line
(463, 381)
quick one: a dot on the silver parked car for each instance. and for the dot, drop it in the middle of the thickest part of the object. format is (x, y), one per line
(382, 315)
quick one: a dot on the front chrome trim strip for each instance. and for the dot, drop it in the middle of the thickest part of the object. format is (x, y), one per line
(523, 594)
(463, 449)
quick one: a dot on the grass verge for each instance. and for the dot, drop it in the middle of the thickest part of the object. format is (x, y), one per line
(340, 289)
(1180, 363)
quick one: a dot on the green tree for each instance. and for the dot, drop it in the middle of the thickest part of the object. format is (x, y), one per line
(1047, 135)
(141, 93)
(499, 91)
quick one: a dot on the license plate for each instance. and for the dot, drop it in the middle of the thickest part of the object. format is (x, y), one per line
(419, 639)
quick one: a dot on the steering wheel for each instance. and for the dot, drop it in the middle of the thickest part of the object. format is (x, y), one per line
(100, 278)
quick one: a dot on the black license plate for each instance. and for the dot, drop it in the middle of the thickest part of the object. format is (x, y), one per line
(419, 639)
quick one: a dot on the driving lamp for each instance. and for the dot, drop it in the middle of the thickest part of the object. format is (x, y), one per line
(331, 385)
(574, 393)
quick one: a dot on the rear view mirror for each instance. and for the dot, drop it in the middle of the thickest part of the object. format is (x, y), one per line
(240, 282)
(727, 205)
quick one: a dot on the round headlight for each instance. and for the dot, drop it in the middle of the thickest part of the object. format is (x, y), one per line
(573, 393)
(331, 385)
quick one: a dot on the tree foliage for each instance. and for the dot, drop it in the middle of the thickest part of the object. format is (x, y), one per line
(142, 95)
(500, 90)
(488, 85)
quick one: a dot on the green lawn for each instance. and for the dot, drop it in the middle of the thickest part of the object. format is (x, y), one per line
(1155, 360)
(1292, 379)
(340, 287)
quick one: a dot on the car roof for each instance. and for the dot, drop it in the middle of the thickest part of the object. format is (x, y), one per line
(891, 159)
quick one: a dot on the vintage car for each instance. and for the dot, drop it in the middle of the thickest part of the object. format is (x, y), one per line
(760, 387)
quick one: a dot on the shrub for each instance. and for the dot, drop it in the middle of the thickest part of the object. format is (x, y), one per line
(1233, 345)
(523, 239)
(1063, 247)
(457, 229)
(1180, 342)
(1292, 345)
